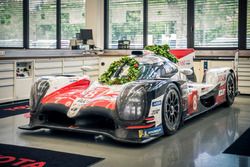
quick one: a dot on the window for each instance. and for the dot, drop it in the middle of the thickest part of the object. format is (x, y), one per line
(126, 23)
(42, 28)
(167, 23)
(11, 23)
(216, 23)
(42, 24)
(248, 24)
(72, 20)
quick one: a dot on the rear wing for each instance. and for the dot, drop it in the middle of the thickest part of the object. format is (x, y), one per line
(185, 60)
(185, 57)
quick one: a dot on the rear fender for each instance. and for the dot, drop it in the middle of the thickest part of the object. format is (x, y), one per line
(217, 75)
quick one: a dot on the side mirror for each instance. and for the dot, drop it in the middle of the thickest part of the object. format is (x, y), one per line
(186, 71)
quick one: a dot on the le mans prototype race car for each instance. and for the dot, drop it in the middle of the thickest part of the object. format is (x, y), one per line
(155, 104)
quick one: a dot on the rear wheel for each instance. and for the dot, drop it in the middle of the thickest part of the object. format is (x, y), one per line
(230, 90)
(172, 110)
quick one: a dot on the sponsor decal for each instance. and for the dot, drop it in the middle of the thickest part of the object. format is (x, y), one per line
(221, 92)
(221, 78)
(204, 89)
(195, 104)
(153, 131)
(184, 62)
(72, 80)
(141, 133)
(98, 91)
(76, 106)
(155, 111)
(156, 103)
(68, 103)
(22, 162)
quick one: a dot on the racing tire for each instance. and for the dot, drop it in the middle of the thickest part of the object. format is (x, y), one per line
(230, 90)
(171, 110)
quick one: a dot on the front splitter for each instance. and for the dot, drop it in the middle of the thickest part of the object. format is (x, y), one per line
(88, 131)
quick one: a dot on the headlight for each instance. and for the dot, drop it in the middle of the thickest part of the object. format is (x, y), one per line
(38, 91)
(131, 102)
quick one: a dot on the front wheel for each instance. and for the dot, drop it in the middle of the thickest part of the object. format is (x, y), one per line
(172, 110)
(230, 90)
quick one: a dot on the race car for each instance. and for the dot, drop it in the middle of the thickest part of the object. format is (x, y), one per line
(156, 103)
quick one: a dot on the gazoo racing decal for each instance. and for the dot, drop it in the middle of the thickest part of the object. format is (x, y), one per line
(156, 110)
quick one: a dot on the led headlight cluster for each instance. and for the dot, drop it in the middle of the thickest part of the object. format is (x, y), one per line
(38, 91)
(131, 102)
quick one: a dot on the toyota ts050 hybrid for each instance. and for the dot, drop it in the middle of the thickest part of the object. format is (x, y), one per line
(155, 103)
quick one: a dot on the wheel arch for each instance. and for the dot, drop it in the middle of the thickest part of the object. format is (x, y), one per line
(178, 86)
(235, 79)
(184, 111)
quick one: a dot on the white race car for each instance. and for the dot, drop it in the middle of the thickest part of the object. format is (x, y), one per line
(157, 102)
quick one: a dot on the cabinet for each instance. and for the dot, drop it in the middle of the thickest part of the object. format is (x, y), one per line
(17, 76)
(92, 62)
(73, 66)
(44, 67)
(23, 78)
(6, 80)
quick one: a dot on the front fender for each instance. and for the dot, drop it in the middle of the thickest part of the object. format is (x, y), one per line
(46, 85)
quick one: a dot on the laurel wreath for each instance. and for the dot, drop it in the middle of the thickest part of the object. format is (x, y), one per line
(133, 72)
(162, 50)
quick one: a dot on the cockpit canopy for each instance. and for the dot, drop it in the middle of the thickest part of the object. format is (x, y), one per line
(151, 67)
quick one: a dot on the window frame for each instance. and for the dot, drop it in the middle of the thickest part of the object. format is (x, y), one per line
(242, 26)
(217, 48)
(26, 27)
(106, 24)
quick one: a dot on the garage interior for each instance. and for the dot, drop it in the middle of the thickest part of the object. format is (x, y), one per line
(43, 38)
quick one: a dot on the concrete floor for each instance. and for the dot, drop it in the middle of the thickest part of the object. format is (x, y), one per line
(199, 143)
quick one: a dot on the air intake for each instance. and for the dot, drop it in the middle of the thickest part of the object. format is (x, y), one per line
(137, 52)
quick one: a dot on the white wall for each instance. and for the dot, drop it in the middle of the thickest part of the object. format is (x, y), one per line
(95, 20)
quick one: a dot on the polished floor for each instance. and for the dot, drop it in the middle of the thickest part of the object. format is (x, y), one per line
(199, 143)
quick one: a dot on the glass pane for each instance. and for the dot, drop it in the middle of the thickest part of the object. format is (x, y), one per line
(11, 23)
(126, 22)
(248, 24)
(167, 23)
(42, 24)
(216, 23)
(72, 20)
